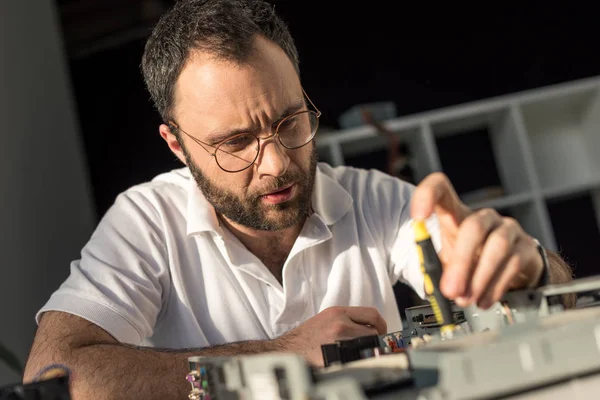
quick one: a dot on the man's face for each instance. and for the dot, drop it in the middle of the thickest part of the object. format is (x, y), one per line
(251, 209)
(214, 99)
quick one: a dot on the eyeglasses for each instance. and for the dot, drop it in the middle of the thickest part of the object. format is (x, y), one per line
(239, 152)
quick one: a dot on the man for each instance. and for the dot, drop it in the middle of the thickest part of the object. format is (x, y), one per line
(254, 246)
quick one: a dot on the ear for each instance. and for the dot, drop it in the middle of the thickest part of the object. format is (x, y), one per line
(172, 142)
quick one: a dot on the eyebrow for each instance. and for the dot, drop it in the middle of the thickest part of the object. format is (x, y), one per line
(218, 136)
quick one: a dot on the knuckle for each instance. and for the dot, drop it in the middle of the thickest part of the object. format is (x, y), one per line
(438, 175)
(510, 223)
(475, 224)
(443, 177)
(333, 310)
(488, 213)
(427, 194)
(338, 328)
(372, 311)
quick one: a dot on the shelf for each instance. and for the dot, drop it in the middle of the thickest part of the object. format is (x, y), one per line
(482, 151)
(575, 222)
(570, 189)
(466, 119)
(373, 152)
(367, 144)
(503, 202)
(564, 132)
(348, 135)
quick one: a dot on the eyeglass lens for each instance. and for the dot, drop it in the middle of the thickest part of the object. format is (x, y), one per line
(240, 151)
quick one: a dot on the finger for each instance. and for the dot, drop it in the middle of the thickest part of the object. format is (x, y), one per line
(498, 247)
(435, 191)
(367, 316)
(356, 330)
(512, 271)
(471, 236)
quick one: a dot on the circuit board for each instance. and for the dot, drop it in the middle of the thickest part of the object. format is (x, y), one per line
(524, 347)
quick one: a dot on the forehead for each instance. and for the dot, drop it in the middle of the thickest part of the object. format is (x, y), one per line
(211, 91)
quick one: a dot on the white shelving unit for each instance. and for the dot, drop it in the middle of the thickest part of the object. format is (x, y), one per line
(545, 144)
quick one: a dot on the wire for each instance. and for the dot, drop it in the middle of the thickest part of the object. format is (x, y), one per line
(508, 313)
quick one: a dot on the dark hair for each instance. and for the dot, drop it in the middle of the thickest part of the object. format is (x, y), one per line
(223, 28)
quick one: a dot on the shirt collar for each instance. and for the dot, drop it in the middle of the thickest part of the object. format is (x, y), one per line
(330, 201)
(201, 215)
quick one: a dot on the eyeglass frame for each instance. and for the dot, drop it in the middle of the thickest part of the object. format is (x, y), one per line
(174, 126)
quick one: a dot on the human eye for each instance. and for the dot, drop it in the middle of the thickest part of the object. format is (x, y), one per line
(237, 143)
(289, 123)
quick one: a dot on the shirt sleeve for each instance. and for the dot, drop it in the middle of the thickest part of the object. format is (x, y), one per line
(121, 279)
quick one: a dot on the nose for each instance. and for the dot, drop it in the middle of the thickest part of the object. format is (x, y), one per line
(272, 158)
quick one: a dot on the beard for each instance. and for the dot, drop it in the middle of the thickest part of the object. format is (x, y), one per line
(250, 210)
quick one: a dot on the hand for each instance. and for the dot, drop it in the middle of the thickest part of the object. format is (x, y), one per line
(331, 324)
(483, 253)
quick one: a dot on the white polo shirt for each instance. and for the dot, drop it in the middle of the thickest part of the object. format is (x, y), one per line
(160, 271)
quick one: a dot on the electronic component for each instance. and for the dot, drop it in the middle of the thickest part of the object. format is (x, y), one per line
(344, 351)
(421, 320)
(531, 356)
(48, 389)
(539, 351)
(269, 376)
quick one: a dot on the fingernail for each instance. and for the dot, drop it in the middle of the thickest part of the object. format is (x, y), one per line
(462, 301)
(485, 304)
(467, 294)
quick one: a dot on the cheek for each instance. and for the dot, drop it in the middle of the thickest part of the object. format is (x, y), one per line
(238, 183)
(301, 157)
(201, 159)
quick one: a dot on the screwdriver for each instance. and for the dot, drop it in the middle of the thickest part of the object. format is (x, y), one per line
(431, 267)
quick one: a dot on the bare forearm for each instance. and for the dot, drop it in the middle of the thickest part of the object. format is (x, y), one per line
(561, 272)
(126, 372)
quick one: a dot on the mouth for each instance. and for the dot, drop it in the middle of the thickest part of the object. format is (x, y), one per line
(280, 195)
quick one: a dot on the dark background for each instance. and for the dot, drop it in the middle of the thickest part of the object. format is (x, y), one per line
(421, 57)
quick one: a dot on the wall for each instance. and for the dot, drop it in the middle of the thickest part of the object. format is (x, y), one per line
(46, 211)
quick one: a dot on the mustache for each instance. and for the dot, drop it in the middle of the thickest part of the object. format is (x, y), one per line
(277, 184)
